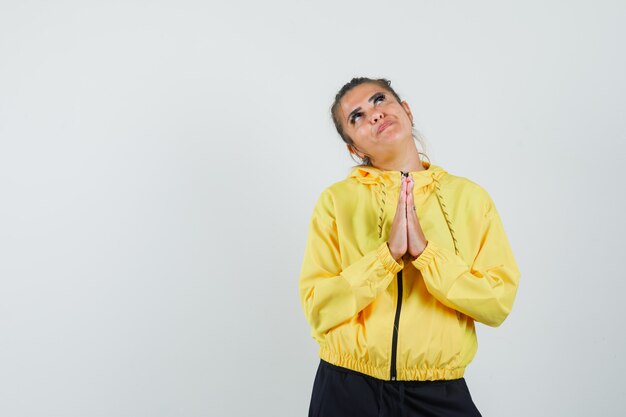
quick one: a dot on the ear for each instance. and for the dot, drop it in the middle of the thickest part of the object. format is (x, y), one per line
(407, 109)
(353, 150)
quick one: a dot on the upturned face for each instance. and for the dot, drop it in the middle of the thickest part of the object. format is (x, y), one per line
(375, 121)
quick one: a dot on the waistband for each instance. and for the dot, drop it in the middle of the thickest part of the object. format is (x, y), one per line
(336, 368)
(382, 372)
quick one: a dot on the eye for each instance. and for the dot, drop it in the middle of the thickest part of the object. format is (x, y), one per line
(354, 116)
(380, 97)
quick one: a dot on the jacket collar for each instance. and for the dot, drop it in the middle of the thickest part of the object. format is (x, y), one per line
(372, 175)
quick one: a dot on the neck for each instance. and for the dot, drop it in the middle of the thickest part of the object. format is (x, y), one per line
(407, 160)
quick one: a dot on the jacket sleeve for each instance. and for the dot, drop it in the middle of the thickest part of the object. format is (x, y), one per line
(486, 290)
(329, 294)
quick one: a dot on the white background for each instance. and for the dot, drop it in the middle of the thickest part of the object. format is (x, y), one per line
(159, 162)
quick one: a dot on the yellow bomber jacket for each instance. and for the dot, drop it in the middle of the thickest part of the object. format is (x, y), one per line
(405, 320)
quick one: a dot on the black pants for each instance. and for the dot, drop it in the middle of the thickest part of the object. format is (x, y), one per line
(340, 392)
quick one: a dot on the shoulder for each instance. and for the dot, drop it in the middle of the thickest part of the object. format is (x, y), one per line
(337, 195)
(339, 190)
(466, 192)
(325, 204)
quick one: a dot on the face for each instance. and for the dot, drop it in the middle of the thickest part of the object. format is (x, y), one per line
(375, 121)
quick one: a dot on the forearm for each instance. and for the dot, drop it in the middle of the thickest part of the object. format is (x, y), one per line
(329, 299)
(485, 294)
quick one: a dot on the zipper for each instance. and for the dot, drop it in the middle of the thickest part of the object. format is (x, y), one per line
(396, 324)
(396, 321)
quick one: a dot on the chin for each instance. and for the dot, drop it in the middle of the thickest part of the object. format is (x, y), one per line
(393, 137)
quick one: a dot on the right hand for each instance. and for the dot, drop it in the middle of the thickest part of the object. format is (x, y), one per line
(398, 240)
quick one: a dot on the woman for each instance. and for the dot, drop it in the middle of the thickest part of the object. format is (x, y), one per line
(401, 259)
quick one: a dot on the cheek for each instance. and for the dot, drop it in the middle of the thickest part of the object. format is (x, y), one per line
(362, 135)
(404, 119)
(364, 130)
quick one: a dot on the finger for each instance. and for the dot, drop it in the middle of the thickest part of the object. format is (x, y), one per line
(410, 204)
(410, 212)
(405, 184)
(402, 199)
(408, 188)
(406, 197)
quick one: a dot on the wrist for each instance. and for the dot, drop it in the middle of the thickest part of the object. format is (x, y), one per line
(394, 255)
(422, 251)
(416, 253)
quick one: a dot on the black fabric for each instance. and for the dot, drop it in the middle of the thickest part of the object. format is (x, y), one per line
(339, 392)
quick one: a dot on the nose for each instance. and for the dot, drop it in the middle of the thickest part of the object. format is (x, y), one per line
(376, 116)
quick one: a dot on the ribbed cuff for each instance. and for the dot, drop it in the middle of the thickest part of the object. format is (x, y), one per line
(427, 255)
(390, 264)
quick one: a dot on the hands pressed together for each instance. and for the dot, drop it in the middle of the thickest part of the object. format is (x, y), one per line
(406, 238)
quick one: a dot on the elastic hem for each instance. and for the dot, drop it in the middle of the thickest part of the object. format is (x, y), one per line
(346, 361)
(408, 383)
(384, 256)
(427, 255)
(383, 372)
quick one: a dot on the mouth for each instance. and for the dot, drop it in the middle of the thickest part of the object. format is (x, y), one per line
(383, 126)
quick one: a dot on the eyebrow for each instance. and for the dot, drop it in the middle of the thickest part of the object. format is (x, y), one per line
(358, 108)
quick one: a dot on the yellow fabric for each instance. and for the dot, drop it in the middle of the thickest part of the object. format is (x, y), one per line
(348, 281)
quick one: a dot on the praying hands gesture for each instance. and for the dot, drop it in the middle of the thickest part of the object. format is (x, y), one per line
(406, 236)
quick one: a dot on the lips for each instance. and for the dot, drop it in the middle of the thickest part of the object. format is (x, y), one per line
(383, 126)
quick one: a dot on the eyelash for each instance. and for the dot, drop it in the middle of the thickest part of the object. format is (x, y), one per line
(381, 96)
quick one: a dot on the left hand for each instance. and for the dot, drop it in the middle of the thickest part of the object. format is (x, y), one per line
(416, 239)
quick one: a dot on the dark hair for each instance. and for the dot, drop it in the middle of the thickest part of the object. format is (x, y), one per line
(334, 109)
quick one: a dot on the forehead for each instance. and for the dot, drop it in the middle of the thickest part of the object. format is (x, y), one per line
(358, 96)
